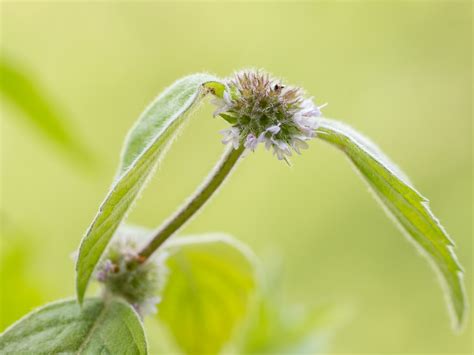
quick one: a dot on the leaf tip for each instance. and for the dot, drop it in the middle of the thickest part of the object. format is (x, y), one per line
(80, 286)
(459, 308)
(79, 292)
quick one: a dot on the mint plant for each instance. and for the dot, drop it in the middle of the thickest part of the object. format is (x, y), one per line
(187, 277)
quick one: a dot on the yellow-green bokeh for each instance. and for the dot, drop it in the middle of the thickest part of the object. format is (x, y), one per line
(398, 71)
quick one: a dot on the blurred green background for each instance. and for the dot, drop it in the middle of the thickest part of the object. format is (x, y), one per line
(401, 72)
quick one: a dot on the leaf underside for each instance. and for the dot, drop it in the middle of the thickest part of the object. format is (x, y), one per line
(63, 327)
(144, 145)
(211, 281)
(408, 207)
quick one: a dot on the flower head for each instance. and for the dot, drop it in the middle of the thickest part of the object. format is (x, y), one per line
(122, 274)
(263, 110)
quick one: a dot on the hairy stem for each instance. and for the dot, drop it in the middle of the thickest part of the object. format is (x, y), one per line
(220, 172)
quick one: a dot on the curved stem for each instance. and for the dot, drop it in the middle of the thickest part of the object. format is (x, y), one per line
(205, 191)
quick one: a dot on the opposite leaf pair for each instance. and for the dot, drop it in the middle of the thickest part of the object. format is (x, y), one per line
(273, 101)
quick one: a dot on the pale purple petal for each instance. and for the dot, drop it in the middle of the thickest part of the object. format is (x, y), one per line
(274, 129)
(251, 142)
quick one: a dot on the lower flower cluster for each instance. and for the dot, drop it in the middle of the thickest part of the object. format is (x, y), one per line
(123, 274)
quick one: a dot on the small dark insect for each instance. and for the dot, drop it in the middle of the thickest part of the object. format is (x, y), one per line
(278, 87)
(211, 90)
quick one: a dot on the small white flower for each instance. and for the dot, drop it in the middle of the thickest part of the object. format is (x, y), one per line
(251, 142)
(223, 104)
(227, 98)
(308, 109)
(267, 140)
(231, 135)
(281, 149)
(148, 307)
(299, 143)
(306, 124)
(275, 129)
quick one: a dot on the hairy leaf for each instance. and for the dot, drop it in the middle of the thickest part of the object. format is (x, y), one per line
(144, 146)
(208, 291)
(409, 208)
(25, 93)
(63, 327)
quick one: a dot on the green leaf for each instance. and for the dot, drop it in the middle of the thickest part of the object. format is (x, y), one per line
(63, 327)
(21, 89)
(409, 208)
(145, 144)
(276, 327)
(279, 328)
(209, 289)
(161, 119)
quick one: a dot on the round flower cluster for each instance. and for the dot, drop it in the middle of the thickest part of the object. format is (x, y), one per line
(123, 274)
(263, 110)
